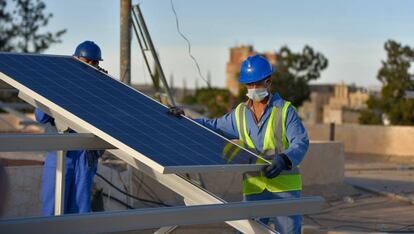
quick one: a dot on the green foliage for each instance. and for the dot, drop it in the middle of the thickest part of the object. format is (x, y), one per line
(371, 115)
(395, 77)
(295, 71)
(7, 28)
(21, 27)
(216, 100)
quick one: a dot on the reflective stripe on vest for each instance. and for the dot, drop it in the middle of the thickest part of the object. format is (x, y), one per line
(275, 142)
(230, 151)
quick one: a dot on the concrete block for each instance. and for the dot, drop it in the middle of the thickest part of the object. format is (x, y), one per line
(24, 191)
(323, 164)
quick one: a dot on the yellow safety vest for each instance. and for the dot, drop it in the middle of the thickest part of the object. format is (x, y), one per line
(275, 142)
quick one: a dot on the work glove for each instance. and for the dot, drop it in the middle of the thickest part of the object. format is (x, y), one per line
(279, 163)
(176, 111)
(102, 70)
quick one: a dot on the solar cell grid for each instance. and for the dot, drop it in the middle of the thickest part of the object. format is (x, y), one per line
(117, 113)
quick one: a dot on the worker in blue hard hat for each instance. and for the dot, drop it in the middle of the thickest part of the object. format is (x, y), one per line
(90, 53)
(81, 165)
(270, 127)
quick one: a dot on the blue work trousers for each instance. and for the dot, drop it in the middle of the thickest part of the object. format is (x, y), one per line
(283, 224)
(78, 183)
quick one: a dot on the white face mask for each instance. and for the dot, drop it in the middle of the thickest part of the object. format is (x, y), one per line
(258, 94)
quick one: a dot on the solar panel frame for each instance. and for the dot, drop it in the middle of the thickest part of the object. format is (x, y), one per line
(117, 143)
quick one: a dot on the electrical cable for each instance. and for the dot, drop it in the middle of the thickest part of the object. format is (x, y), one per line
(129, 195)
(354, 225)
(355, 221)
(406, 227)
(123, 185)
(342, 207)
(148, 190)
(122, 182)
(313, 220)
(117, 200)
(188, 44)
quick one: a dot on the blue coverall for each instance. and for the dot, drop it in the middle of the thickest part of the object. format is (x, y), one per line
(298, 145)
(81, 166)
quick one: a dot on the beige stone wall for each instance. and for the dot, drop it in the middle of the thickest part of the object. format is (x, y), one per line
(332, 115)
(237, 55)
(358, 99)
(350, 116)
(362, 139)
(312, 111)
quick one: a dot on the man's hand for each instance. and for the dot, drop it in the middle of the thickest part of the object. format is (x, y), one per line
(176, 111)
(279, 164)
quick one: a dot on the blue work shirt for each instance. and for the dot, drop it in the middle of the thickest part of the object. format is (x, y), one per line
(295, 131)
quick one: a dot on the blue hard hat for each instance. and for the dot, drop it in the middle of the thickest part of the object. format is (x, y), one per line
(255, 68)
(89, 50)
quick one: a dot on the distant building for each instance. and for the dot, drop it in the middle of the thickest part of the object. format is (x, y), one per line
(312, 111)
(338, 103)
(237, 55)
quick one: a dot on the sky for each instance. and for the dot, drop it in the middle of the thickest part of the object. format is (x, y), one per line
(351, 33)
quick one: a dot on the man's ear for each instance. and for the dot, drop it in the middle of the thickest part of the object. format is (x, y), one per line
(269, 82)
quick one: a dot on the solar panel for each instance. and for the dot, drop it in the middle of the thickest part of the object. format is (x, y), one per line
(120, 115)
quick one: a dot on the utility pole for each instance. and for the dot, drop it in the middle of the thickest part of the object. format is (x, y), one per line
(125, 34)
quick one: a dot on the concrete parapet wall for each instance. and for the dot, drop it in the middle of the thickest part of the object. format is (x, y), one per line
(363, 139)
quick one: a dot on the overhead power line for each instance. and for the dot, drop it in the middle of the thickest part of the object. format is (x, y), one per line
(177, 24)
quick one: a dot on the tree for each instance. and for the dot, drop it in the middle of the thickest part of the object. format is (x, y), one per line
(216, 100)
(395, 77)
(371, 115)
(7, 28)
(295, 71)
(21, 27)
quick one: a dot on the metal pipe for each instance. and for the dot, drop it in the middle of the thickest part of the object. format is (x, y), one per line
(136, 28)
(51, 142)
(154, 53)
(138, 219)
(60, 183)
